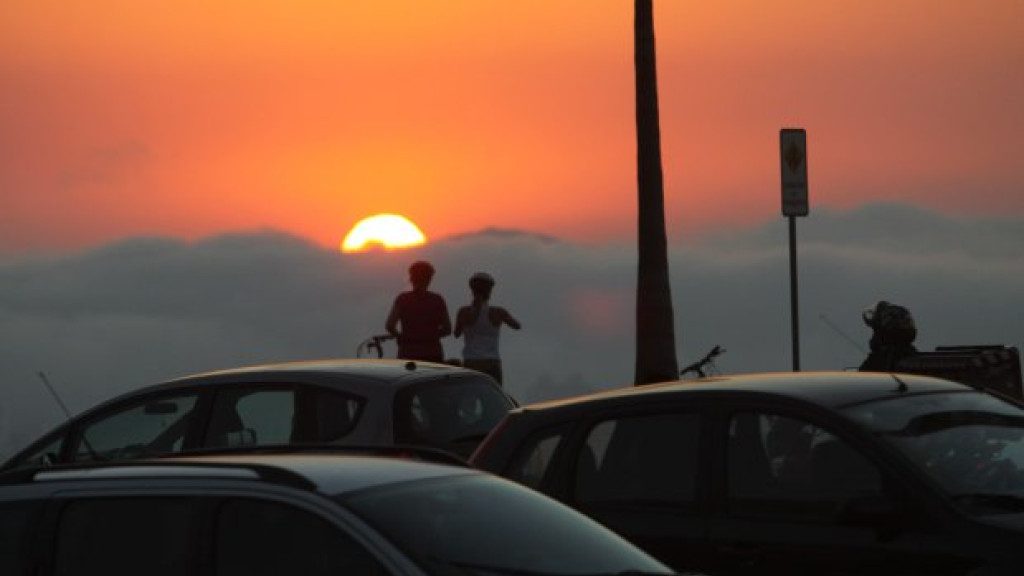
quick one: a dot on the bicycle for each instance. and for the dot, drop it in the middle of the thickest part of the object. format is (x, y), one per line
(373, 344)
(708, 361)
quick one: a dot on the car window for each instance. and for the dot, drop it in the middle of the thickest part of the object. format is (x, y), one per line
(16, 523)
(125, 537)
(970, 443)
(533, 459)
(260, 538)
(337, 414)
(786, 466)
(454, 414)
(151, 426)
(648, 459)
(246, 417)
(45, 455)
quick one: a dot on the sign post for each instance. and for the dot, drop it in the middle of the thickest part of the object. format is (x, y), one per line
(793, 154)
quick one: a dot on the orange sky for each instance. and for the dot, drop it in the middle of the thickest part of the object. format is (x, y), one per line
(190, 118)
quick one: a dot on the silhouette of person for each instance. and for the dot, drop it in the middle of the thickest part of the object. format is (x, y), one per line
(481, 323)
(419, 318)
(892, 339)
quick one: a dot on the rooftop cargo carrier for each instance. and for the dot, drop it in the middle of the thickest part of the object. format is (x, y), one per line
(993, 367)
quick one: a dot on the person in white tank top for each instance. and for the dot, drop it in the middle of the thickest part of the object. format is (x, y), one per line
(481, 323)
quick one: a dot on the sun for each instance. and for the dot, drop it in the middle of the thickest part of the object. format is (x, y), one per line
(387, 231)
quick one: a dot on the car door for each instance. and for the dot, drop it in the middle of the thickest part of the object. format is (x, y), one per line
(123, 536)
(640, 473)
(18, 518)
(179, 534)
(796, 496)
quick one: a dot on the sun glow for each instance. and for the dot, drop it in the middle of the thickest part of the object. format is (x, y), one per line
(387, 231)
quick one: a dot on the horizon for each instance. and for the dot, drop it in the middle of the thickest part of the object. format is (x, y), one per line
(142, 310)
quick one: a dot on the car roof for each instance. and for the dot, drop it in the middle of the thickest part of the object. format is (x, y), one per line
(379, 371)
(827, 389)
(327, 473)
(365, 377)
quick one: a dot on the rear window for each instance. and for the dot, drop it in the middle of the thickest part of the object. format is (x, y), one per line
(452, 414)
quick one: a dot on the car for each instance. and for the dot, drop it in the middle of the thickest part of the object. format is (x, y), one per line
(340, 401)
(299, 513)
(786, 473)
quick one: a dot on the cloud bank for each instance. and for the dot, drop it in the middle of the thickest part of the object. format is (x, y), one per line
(132, 313)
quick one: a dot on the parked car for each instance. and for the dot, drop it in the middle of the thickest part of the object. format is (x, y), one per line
(809, 473)
(338, 401)
(300, 514)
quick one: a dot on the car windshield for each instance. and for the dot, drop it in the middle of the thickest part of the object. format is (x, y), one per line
(484, 525)
(970, 443)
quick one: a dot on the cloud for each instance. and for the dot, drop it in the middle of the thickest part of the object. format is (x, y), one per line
(107, 320)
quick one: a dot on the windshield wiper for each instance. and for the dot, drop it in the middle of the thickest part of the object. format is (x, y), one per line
(939, 421)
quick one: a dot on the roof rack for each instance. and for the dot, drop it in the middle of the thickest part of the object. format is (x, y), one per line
(94, 469)
(138, 469)
(404, 451)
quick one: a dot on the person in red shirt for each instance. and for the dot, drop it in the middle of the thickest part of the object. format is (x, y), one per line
(419, 318)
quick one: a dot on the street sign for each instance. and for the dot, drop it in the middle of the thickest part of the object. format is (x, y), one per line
(793, 153)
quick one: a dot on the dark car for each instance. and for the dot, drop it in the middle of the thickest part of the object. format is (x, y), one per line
(810, 473)
(300, 514)
(331, 401)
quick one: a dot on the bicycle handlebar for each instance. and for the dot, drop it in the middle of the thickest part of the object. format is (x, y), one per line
(374, 343)
(699, 365)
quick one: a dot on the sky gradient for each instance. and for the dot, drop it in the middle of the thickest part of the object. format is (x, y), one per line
(190, 119)
(175, 179)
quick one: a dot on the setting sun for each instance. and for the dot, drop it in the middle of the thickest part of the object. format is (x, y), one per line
(388, 231)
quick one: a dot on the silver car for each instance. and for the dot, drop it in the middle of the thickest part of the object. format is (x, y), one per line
(366, 402)
(298, 514)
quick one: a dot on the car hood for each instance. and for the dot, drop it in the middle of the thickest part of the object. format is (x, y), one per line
(1014, 522)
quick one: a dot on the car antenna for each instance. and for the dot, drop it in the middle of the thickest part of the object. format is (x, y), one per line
(901, 386)
(46, 381)
(53, 392)
(843, 334)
